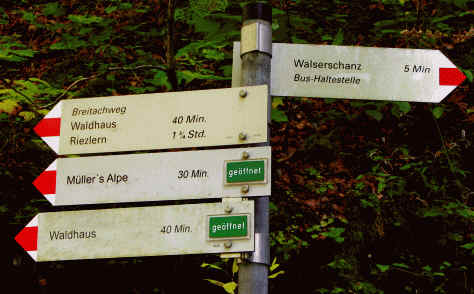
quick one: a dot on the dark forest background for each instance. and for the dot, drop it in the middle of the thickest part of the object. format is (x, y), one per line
(368, 197)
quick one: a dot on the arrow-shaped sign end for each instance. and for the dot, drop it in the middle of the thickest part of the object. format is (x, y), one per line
(28, 238)
(450, 76)
(49, 127)
(46, 183)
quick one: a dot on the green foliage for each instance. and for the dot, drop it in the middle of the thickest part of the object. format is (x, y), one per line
(223, 265)
(278, 115)
(13, 51)
(438, 112)
(334, 233)
(53, 9)
(367, 194)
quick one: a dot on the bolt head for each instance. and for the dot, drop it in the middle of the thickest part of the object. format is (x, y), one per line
(245, 189)
(245, 155)
(243, 93)
(242, 136)
(228, 209)
(228, 244)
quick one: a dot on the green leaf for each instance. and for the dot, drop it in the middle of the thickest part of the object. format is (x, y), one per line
(374, 114)
(220, 284)
(402, 265)
(3, 16)
(383, 267)
(433, 212)
(84, 19)
(468, 74)
(213, 54)
(8, 106)
(27, 115)
(272, 276)
(279, 115)
(274, 265)
(204, 265)
(339, 38)
(125, 6)
(403, 106)
(296, 40)
(468, 246)
(230, 287)
(188, 76)
(277, 101)
(110, 9)
(68, 42)
(226, 70)
(438, 112)
(427, 268)
(160, 79)
(235, 266)
(28, 16)
(455, 237)
(53, 9)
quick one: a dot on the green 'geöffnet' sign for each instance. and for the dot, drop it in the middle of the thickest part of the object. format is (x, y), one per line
(245, 171)
(231, 226)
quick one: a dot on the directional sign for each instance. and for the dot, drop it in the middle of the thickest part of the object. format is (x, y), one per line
(138, 231)
(157, 121)
(358, 72)
(157, 176)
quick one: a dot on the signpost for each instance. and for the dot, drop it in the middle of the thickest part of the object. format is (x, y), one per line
(197, 119)
(256, 56)
(157, 121)
(140, 231)
(157, 176)
(394, 74)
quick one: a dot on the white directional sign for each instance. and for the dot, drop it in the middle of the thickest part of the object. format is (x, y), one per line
(156, 176)
(157, 121)
(139, 231)
(358, 72)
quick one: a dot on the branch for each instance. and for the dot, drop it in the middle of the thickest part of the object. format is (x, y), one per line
(67, 90)
(96, 75)
(137, 67)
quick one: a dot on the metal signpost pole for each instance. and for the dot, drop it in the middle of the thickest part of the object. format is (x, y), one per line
(256, 40)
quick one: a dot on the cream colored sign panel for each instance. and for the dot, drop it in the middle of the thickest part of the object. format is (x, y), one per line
(162, 121)
(358, 72)
(151, 177)
(133, 232)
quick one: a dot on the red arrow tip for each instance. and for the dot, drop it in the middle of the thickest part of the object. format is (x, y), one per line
(450, 76)
(28, 238)
(46, 182)
(48, 127)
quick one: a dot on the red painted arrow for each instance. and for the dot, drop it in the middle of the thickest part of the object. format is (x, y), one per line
(28, 237)
(450, 76)
(48, 127)
(46, 182)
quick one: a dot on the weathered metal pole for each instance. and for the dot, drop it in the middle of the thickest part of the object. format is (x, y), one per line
(255, 52)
